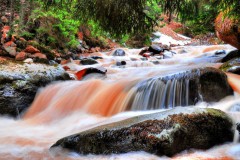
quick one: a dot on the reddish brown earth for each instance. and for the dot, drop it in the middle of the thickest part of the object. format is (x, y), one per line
(170, 28)
(228, 30)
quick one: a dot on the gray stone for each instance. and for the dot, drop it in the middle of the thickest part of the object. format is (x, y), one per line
(88, 61)
(119, 52)
(19, 83)
(163, 133)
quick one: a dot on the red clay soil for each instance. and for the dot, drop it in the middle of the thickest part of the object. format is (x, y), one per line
(169, 32)
(169, 28)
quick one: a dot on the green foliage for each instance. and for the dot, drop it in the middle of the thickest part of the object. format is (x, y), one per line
(203, 22)
(27, 35)
(56, 28)
(153, 10)
(96, 30)
(124, 39)
(231, 8)
(117, 17)
(124, 17)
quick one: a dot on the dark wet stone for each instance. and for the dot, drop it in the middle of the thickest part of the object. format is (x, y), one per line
(234, 69)
(119, 52)
(238, 127)
(232, 66)
(163, 133)
(220, 52)
(206, 84)
(212, 85)
(20, 82)
(96, 57)
(231, 55)
(155, 49)
(122, 63)
(88, 61)
(91, 72)
(100, 70)
(144, 50)
(41, 60)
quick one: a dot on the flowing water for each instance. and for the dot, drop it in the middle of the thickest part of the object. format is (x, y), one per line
(65, 108)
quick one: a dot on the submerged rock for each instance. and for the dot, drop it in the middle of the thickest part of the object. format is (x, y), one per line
(19, 83)
(122, 63)
(235, 108)
(232, 66)
(220, 52)
(238, 127)
(162, 133)
(96, 57)
(167, 54)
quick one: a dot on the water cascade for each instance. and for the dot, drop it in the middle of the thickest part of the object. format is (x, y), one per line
(157, 94)
(109, 98)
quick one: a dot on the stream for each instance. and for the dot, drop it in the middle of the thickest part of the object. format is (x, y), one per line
(65, 108)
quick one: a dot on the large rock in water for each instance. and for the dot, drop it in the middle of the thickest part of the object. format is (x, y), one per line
(162, 133)
(119, 52)
(205, 84)
(180, 89)
(155, 49)
(19, 83)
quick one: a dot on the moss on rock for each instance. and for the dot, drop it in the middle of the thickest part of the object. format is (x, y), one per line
(163, 133)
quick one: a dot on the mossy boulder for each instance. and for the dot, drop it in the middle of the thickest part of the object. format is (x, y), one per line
(162, 133)
(232, 66)
(19, 83)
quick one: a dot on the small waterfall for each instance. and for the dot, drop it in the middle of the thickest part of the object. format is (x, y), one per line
(108, 98)
(155, 93)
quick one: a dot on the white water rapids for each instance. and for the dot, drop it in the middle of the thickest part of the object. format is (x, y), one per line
(73, 106)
